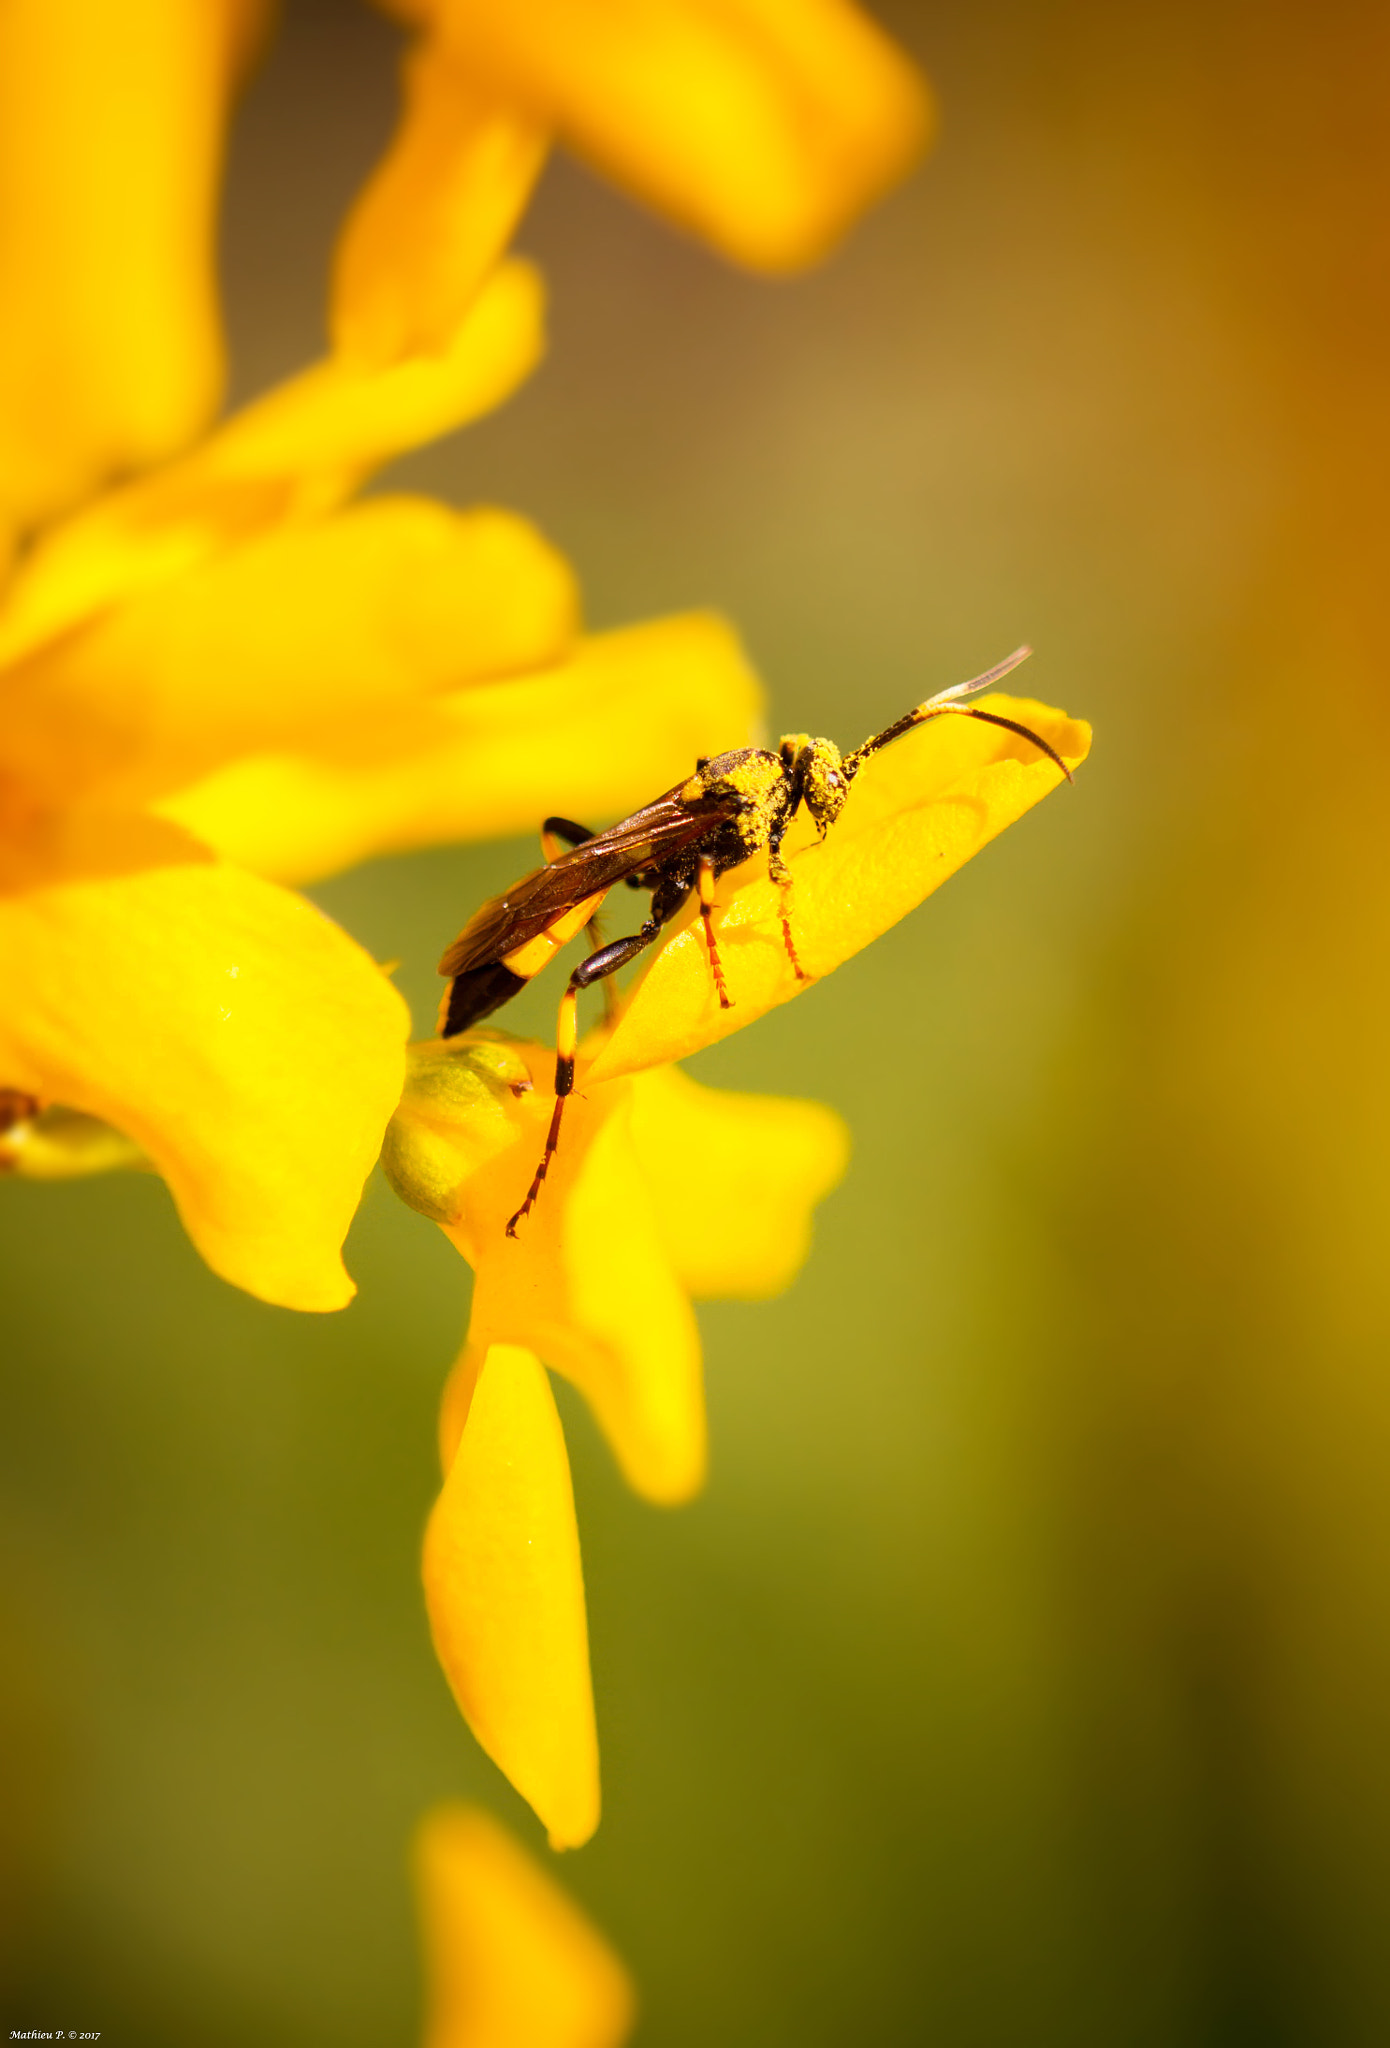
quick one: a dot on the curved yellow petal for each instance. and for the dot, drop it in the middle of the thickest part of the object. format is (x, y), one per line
(511, 1961)
(629, 1338)
(244, 1041)
(505, 1594)
(765, 126)
(587, 1283)
(111, 122)
(603, 1305)
(734, 1179)
(435, 215)
(625, 715)
(302, 631)
(290, 456)
(917, 812)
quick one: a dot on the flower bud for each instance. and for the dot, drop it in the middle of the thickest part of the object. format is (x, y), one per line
(58, 1143)
(456, 1111)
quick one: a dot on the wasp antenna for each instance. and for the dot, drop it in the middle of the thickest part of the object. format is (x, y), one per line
(944, 700)
(991, 675)
(1025, 732)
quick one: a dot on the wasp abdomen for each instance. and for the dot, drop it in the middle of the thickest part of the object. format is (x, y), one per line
(476, 994)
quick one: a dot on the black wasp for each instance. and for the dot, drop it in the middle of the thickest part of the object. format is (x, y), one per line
(732, 807)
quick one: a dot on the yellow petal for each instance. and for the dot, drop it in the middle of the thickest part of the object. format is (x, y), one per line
(230, 1029)
(511, 1960)
(916, 813)
(505, 1595)
(111, 121)
(300, 632)
(764, 125)
(735, 1179)
(434, 217)
(290, 456)
(626, 716)
(587, 1283)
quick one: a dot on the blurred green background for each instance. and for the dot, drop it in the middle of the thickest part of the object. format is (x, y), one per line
(1024, 1675)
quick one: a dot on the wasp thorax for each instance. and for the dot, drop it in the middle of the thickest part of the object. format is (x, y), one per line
(818, 768)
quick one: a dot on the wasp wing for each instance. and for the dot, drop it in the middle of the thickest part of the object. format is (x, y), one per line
(661, 828)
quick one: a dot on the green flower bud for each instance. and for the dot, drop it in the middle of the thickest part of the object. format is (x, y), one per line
(455, 1112)
(61, 1144)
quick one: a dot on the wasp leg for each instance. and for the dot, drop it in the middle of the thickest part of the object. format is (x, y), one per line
(781, 874)
(705, 877)
(556, 834)
(597, 967)
(593, 932)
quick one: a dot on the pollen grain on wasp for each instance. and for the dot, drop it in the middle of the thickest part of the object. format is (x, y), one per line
(735, 805)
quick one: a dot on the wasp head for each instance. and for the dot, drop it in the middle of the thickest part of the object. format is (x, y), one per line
(818, 777)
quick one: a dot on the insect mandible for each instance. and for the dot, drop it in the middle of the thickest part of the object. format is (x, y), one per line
(733, 806)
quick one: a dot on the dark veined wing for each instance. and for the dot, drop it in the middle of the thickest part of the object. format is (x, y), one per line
(653, 834)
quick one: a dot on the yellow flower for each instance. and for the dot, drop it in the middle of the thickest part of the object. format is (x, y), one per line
(661, 1189)
(511, 1961)
(240, 1038)
(222, 617)
(601, 1290)
(764, 126)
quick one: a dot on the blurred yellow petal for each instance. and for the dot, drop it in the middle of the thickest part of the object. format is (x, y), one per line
(239, 1037)
(301, 631)
(111, 125)
(734, 1179)
(511, 1961)
(434, 217)
(289, 456)
(505, 1594)
(916, 813)
(588, 1284)
(765, 126)
(626, 715)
